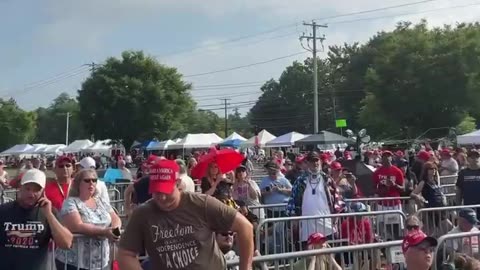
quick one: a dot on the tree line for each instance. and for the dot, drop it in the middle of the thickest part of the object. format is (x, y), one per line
(397, 84)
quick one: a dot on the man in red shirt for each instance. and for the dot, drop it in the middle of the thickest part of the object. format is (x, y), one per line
(56, 190)
(389, 183)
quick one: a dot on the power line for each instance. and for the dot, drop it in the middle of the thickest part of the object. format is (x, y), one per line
(405, 14)
(216, 96)
(244, 66)
(286, 26)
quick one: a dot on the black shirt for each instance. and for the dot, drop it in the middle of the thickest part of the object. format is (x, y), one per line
(468, 182)
(141, 190)
(24, 238)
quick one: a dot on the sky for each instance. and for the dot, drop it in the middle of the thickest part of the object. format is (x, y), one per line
(44, 45)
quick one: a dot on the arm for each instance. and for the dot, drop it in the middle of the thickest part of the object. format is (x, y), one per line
(128, 199)
(116, 221)
(416, 193)
(127, 260)
(74, 223)
(61, 236)
(458, 189)
(244, 230)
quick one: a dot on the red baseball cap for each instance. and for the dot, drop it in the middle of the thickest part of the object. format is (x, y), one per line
(163, 176)
(423, 155)
(63, 159)
(387, 152)
(415, 238)
(399, 153)
(151, 159)
(316, 239)
(300, 159)
(336, 166)
(446, 152)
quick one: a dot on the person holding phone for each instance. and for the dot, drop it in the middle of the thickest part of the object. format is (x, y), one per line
(85, 212)
(344, 180)
(28, 225)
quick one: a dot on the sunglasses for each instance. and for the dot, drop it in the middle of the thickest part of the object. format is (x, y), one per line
(90, 180)
(227, 234)
(413, 227)
(68, 165)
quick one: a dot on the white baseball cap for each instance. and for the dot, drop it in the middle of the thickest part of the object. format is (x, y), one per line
(34, 176)
(87, 163)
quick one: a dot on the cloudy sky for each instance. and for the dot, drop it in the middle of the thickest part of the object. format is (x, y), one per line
(44, 43)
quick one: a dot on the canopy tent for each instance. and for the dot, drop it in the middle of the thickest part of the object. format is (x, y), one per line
(285, 140)
(156, 145)
(201, 140)
(469, 138)
(323, 137)
(263, 137)
(99, 147)
(136, 144)
(17, 149)
(37, 148)
(234, 140)
(52, 149)
(234, 136)
(77, 146)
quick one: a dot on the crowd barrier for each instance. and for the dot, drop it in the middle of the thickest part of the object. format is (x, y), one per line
(451, 245)
(287, 234)
(89, 251)
(437, 221)
(386, 255)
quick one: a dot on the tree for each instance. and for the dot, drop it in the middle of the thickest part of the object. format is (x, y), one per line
(239, 124)
(17, 126)
(422, 78)
(286, 105)
(134, 97)
(204, 121)
(467, 125)
(51, 121)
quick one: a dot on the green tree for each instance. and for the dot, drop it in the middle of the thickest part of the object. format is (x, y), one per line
(238, 123)
(51, 121)
(17, 126)
(134, 97)
(467, 125)
(287, 104)
(422, 78)
(204, 121)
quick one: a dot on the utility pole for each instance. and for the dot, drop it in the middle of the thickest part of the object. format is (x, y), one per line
(226, 115)
(313, 48)
(66, 129)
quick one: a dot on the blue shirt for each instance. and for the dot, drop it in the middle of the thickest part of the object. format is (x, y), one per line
(275, 197)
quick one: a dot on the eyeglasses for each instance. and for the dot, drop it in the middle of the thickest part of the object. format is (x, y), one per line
(413, 227)
(68, 165)
(90, 180)
(227, 234)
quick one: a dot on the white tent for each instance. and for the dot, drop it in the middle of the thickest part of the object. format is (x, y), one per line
(52, 149)
(17, 149)
(286, 140)
(77, 146)
(37, 148)
(99, 147)
(201, 140)
(163, 145)
(234, 136)
(469, 138)
(263, 137)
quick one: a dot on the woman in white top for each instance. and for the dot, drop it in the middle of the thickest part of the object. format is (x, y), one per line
(84, 212)
(245, 189)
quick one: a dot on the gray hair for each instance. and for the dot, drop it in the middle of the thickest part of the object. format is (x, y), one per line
(181, 164)
(75, 186)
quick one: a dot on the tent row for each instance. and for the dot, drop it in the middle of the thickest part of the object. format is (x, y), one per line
(264, 139)
(78, 146)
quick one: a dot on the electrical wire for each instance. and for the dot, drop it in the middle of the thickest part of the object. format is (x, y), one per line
(244, 66)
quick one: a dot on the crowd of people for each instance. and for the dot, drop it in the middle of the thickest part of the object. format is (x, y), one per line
(179, 227)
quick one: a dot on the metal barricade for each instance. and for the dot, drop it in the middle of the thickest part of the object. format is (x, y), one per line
(287, 234)
(448, 188)
(448, 179)
(451, 245)
(386, 255)
(376, 203)
(437, 221)
(83, 254)
(269, 210)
